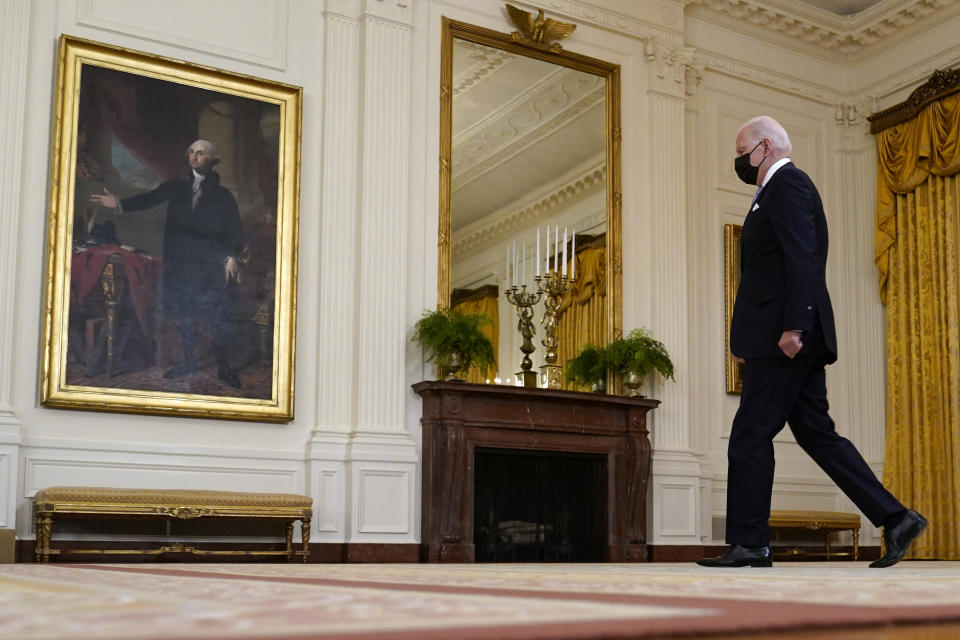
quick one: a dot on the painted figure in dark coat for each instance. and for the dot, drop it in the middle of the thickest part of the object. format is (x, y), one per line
(783, 332)
(202, 248)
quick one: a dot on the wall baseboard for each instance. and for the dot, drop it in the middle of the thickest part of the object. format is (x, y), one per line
(335, 552)
(320, 552)
(691, 553)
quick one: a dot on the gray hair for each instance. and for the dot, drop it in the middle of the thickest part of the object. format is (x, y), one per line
(766, 127)
(211, 150)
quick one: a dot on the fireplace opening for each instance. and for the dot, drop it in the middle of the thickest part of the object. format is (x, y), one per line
(536, 506)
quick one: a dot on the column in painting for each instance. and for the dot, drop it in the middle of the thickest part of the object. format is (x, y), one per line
(676, 470)
(382, 457)
(14, 45)
(338, 282)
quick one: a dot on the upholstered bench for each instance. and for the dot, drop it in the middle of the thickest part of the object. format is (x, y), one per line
(53, 503)
(825, 521)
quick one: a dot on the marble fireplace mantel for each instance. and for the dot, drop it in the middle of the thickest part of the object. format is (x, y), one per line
(458, 418)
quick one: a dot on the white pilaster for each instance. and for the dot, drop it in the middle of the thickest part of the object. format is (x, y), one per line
(860, 372)
(862, 330)
(339, 282)
(383, 210)
(14, 42)
(675, 482)
(382, 457)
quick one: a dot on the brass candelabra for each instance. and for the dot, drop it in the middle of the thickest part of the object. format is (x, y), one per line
(524, 301)
(553, 285)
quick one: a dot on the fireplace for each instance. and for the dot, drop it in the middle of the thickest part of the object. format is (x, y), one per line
(469, 427)
(532, 506)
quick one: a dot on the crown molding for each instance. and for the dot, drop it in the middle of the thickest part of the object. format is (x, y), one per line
(563, 192)
(823, 34)
(763, 75)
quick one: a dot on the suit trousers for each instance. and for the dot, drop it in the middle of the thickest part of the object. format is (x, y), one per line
(783, 390)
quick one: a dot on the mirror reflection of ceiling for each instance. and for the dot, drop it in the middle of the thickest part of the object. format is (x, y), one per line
(518, 124)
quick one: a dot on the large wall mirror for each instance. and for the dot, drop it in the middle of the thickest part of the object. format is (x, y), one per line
(530, 140)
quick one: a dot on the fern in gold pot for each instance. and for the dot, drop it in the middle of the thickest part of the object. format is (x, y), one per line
(454, 340)
(638, 355)
(588, 368)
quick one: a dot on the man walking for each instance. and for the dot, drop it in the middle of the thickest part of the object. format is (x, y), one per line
(783, 332)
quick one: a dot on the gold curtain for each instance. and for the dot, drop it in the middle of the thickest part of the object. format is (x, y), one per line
(487, 305)
(581, 317)
(917, 251)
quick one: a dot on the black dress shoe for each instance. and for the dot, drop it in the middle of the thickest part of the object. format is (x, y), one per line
(740, 556)
(181, 369)
(897, 538)
(230, 377)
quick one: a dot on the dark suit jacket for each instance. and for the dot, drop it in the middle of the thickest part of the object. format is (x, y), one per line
(195, 241)
(783, 260)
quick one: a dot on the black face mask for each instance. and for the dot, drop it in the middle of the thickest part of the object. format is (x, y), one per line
(746, 171)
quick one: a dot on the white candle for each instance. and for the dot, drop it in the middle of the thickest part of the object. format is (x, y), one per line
(506, 269)
(547, 253)
(515, 263)
(538, 253)
(564, 252)
(524, 262)
(573, 250)
(556, 248)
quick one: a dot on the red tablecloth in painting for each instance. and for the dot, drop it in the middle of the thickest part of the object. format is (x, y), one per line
(143, 276)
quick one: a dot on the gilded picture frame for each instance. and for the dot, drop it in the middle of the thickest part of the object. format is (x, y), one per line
(171, 264)
(731, 281)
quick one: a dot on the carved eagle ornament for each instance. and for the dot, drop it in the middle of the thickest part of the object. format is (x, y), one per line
(538, 30)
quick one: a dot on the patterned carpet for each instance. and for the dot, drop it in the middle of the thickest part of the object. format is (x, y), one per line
(484, 601)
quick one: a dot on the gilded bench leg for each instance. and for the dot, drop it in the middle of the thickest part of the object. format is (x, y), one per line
(289, 536)
(44, 526)
(305, 535)
(856, 544)
(826, 537)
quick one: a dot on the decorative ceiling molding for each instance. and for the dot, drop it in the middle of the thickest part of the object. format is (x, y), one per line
(563, 192)
(485, 61)
(545, 107)
(837, 37)
(781, 81)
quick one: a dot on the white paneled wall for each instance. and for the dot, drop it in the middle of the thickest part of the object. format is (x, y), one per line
(370, 73)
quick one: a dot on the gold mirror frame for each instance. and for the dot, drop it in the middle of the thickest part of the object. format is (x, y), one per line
(611, 73)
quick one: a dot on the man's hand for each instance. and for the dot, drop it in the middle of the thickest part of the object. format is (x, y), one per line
(231, 271)
(109, 200)
(790, 343)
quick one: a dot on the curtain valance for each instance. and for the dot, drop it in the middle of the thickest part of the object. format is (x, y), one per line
(907, 154)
